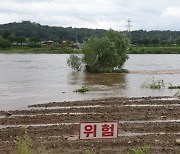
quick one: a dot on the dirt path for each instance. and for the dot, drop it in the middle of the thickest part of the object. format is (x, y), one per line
(152, 121)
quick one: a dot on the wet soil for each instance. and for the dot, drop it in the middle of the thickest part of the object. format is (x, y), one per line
(153, 121)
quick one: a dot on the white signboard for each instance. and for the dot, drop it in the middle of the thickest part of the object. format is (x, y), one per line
(98, 130)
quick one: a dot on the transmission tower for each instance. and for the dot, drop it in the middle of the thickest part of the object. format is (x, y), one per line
(129, 28)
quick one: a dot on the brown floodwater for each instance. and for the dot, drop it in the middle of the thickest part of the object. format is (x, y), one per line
(27, 79)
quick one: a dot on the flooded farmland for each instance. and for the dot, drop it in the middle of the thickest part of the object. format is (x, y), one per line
(27, 79)
(36, 95)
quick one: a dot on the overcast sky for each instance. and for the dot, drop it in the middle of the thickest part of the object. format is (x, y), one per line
(104, 14)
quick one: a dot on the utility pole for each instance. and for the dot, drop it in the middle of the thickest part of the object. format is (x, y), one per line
(76, 38)
(142, 36)
(170, 39)
(129, 28)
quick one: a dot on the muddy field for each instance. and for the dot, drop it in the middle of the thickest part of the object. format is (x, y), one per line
(152, 121)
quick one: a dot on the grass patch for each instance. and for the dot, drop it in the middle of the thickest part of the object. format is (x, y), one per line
(178, 150)
(177, 94)
(121, 71)
(88, 151)
(140, 150)
(83, 89)
(57, 49)
(43, 49)
(154, 50)
(157, 84)
(24, 144)
(153, 84)
(174, 87)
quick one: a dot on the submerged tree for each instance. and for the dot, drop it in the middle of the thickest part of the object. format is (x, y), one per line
(75, 62)
(105, 54)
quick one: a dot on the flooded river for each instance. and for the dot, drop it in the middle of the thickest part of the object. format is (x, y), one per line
(41, 78)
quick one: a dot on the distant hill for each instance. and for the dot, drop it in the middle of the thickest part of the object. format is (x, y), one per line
(44, 32)
(155, 34)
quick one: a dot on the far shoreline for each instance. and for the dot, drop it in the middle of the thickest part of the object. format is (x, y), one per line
(69, 50)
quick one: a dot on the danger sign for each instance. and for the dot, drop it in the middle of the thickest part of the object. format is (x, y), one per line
(98, 130)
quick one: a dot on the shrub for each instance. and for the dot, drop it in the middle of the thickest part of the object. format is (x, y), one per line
(174, 87)
(83, 89)
(153, 84)
(140, 150)
(4, 44)
(177, 94)
(75, 62)
(34, 45)
(105, 54)
(24, 144)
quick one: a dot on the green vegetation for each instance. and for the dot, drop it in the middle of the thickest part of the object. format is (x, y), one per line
(107, 53)
(43, 49)
(141, 150)
(155, 50)
(30, 37)
(83, 89)
(155, 38)
(75, 62)
(177, 94)
(178, 150)
(30, 29)
(88, 151)
(103, 54)
(33, 35)
(24, 144)
(43, 32)
(153, 84)
(4, 44)
(174, 87)
(157, 84)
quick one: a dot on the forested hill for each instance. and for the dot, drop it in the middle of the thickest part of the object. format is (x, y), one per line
(141, 35)
(30, 29)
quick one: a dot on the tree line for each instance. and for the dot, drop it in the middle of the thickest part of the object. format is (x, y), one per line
(43, 32)
(32, 32)
(155, 38)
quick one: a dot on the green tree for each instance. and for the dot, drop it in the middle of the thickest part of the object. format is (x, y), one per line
(178, 41)
(21, 39)
(6, 34)
(146, 42)
(155, 41)
(75, 62)
(12, 39)
(34, 40)
(107, 53)
(165, 42)
(4, 43)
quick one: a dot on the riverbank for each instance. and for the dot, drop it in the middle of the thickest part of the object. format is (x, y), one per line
(146, 121)
(155, 50)
(43, 49)
(68, 50)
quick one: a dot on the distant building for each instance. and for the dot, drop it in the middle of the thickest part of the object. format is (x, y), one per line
(67, 42)
(79, 45)
(49, 42)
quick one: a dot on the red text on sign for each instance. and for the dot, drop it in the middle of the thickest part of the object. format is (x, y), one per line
(90, 129)
(108, 130)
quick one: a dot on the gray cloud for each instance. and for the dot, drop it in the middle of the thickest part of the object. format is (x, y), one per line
(145, 14)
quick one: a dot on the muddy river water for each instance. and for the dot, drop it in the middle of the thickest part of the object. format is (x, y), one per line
(27, 79)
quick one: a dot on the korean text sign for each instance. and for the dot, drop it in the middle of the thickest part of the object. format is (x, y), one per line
(98, 130)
